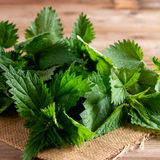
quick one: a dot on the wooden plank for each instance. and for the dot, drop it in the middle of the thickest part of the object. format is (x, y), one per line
(56, 2)
(150, 5)
(137, 4)
(7, 152)
(150, 151)
(131, 4)
(118, 4)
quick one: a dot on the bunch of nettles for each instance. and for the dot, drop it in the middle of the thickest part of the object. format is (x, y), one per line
(67, 91)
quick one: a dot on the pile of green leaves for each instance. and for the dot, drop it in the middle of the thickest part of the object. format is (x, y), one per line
(67, 91)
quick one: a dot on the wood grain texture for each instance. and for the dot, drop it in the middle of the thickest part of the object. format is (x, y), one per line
(9, 153)
(150, 151)
(111, 25)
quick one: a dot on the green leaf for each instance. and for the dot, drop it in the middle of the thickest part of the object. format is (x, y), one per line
(46, 22)
(9, 57)
(97, 105)
(30, 59)
(157, 86)
(121, 79)
(152, 107)
(55, 83)
(103, 64)
(73, 132)
(152, 100)
(155, 62)
(83, 28)
(37, 142)
(34, 44)
(57, 54)
(8, 36)
(4, 58)
(138, 95)
(138, 106)
(114, 121)
(154, 119)
(78, 69)
(1, 49)
(2, 81)
(46, 74)
(51, 129)
(71, 42)
(100, 79)
(28, 92)
(5, 102)
(43, 132)
(45, 54)
(31, 97)
(125, 54)
(67, 89)
(148, 78)
(18, 65)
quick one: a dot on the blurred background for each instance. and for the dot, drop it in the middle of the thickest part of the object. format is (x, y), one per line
(112, 20)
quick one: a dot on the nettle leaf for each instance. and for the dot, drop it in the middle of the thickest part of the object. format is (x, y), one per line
(15, 56)
(9, 57)
(57, 54)
(73, 132)
(43, 132)
(100, 79)
(148, 78)
(83, 28)
(46, 22)
(1, 49)
(34, 103)
(71, 42)
(4, 58)
(67, 89)
(125, 54)
(47, 74)
(155, 62)
(118, 117)
(138, 119)
(138, 95)
(120, 80)
(152, 100)
(103, 64)
(28, 92)
(78, 69)
(138, 106)
(2, 80)
(5, 101)
(8, 36)
(157, 86)
(34, 44)
(152, 107)
(32, 99)
(55, 83)
(52, 129)
(18, 65)
(97, 105)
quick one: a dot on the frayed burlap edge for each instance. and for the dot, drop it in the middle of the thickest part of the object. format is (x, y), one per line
(111, 145)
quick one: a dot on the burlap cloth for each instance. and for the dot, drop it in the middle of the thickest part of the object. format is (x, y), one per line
(102, 148)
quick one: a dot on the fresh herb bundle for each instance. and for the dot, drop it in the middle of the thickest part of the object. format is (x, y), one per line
(67, 91)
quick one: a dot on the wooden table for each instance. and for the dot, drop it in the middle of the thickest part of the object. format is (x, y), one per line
(111, 24)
